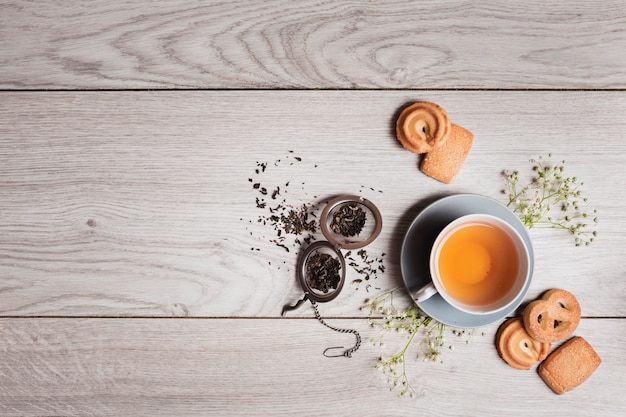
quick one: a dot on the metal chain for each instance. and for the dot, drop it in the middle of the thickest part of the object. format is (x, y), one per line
(348, 352)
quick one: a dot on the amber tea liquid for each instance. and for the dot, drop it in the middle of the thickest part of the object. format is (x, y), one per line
(478, 264)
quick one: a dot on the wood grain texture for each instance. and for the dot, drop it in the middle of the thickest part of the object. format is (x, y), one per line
(312, 44)
(143, 203)
(141, 271)
(132, 367)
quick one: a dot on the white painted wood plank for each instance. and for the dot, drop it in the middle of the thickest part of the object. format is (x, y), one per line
(141, 204)
(312, 44)
(259, 367)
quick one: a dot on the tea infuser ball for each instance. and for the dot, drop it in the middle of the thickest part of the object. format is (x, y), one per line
(351, 222)
(306, 273)
(348, 222)
(322, 271)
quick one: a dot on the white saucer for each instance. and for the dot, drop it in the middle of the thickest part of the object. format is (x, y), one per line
(419, 240)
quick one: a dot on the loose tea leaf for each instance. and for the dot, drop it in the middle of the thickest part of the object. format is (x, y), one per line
(322, 271)
(297, 221)
(348, 220)
(292, 224)
(369, 267)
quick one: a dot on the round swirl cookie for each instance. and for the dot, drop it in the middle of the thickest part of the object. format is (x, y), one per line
(517, 348)
(422, 126)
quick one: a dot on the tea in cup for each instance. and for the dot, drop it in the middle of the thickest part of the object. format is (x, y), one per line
(479, 264)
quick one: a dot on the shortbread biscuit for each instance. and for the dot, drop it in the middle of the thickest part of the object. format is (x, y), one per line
(517, 348)
(445, 160)
(553, 317)
(422, 126)
(569, 365)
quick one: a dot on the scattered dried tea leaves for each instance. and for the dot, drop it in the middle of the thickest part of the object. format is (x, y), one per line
(369, 188)
(296, 221)
(368, 267)
(293, 225)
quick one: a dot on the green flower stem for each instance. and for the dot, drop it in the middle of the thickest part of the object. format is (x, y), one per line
(550, 200)
(384, 316)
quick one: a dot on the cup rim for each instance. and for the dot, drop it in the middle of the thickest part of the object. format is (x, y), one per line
(524, 258)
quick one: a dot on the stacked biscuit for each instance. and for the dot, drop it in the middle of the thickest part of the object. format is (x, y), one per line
(424, 128)
(526, 340)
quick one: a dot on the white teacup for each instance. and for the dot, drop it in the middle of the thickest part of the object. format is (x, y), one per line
(479, 264)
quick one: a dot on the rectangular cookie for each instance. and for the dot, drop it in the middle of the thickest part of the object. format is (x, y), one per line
(445, 160)
(569, 365)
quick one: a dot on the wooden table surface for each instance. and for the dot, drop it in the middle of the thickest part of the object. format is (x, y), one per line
(139, 273)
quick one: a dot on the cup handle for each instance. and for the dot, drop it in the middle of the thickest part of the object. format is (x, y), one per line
(425, 292)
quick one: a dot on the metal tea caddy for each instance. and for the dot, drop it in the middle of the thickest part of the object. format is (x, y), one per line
(332, 246)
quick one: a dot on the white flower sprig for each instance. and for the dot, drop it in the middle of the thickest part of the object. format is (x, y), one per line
(385, 317)
(551, 200)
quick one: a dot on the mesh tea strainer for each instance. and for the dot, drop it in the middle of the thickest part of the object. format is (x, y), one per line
(347, 222)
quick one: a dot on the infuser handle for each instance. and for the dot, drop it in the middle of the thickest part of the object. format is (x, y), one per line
(287, 307)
